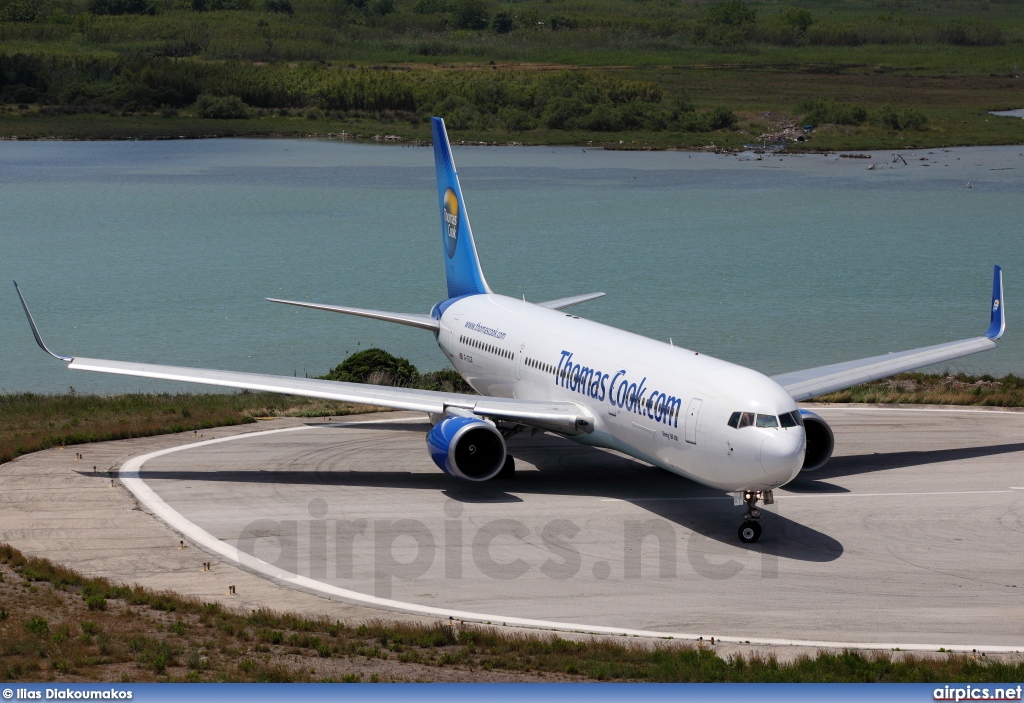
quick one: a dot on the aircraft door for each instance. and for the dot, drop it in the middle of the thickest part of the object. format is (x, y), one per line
(692, 414)
(453, 340)
(519, 362)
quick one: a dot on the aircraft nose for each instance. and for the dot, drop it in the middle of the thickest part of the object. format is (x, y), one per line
(782, 455)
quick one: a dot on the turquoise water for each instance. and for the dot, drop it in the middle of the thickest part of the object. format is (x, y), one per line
(164, 251)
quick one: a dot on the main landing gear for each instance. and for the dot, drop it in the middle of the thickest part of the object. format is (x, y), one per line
(750, 530)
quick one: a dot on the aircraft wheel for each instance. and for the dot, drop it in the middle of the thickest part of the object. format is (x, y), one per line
(750, 532)
(508, 470)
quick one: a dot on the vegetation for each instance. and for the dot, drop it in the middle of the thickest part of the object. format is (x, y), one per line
(378, 367)
(936, 389)
(49, 630)
(643, 73)
(31, 422)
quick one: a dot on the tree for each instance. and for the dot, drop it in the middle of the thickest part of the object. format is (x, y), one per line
(798, 18)
(121, 7)
(375, 363)
(471, 14)
(282, 6)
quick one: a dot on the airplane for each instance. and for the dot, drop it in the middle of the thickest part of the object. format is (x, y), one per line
(537, 367)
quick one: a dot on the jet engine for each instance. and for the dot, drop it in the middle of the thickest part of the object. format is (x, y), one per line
(467, 448)
(820, 441)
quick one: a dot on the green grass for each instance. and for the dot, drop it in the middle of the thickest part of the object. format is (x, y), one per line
(31, 422)
(49, 631)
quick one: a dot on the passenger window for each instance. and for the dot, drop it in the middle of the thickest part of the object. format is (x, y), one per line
(734, 420)
(767, 421)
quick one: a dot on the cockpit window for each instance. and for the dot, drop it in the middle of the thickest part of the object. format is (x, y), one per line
(792, 419)
(746, 419)
(767, 421)
(734, 420)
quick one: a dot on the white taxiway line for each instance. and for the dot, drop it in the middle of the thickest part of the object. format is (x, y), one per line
(129, 475)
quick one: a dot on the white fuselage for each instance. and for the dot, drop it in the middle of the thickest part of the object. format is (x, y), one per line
(663, 404)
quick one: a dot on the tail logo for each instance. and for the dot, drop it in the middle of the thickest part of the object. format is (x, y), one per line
(451, 222)
(995, 305)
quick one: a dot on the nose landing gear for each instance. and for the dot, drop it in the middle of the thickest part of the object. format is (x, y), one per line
(750, 531)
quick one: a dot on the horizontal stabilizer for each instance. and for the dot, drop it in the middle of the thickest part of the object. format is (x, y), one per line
(403, 318)
(566, 302)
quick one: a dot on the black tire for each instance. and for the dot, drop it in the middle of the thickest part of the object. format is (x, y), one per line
(750, 532)
(508, 469)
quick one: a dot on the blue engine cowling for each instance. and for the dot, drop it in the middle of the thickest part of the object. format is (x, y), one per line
(820, 441)
(467, 448)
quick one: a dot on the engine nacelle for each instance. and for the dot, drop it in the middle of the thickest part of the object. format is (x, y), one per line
(820, 441)
(467, 448)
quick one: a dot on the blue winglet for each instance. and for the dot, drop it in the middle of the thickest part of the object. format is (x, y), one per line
(998, 323)
(461, 262)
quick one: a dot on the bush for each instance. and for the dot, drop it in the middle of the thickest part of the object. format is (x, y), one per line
(900, 119)
(282, 6)
(18, 12)
(798, 18)
(726, 23)
(24, 94)
(562, 22)
(230, 107)
(38, 626)
(121, 7)
(828, 111)
(374, 362)
(471, 14)
(204, 5)
(96, 602)
(503, 22)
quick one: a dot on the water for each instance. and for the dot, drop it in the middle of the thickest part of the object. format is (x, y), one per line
(164, 251)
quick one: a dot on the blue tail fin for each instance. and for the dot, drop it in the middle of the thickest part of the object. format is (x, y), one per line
(461, 263)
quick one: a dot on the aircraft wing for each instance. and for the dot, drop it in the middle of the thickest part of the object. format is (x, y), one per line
(563, 417)
(834, 377)
(567, 302)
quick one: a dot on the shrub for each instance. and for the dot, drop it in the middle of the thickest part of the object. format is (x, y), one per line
(503, 22)
(471, 14)
(361, 365)
(18, 12)
(121, 7)
(726, 22)
(720, 118)
(828, 111)
(230, 107)
(562, 22)
(282, 6)
(38, 626)
(900, 119)
(25, 94)
(96, 602)
(798, 18)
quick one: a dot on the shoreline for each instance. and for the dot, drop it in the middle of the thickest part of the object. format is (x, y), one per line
(396, 140)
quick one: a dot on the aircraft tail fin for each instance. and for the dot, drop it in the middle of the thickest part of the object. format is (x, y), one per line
(462, 264)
